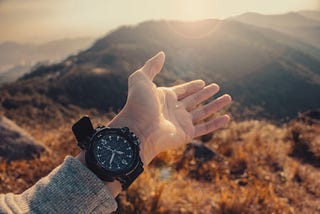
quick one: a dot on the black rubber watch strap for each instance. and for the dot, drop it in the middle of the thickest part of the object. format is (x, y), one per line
(127, 180)
(83, 130)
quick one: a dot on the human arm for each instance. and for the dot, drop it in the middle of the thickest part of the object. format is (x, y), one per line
(69, 188)
(162, 117)
(166, 117)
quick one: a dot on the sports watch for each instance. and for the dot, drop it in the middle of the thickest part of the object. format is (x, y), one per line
(110, 153)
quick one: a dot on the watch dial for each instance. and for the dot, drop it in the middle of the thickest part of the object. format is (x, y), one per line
(113, 152)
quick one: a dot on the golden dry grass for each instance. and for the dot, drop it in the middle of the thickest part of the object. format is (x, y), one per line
(256, 168)
(253, 172)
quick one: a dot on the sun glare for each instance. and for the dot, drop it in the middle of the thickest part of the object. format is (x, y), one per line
(190, 9)
(45, 20)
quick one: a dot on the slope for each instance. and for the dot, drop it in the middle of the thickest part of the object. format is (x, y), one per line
(268, 73)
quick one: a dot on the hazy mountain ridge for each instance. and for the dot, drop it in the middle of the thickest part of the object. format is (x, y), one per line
(16, 59)
(267, 72)
(253, 166)
(311, 14)
(303, 25)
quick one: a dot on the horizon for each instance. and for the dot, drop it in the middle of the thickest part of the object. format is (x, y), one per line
(52, 20)
(94, 37)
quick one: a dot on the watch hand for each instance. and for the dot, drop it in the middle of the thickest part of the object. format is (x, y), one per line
(119, 152)
(111, 159)
(108, 148)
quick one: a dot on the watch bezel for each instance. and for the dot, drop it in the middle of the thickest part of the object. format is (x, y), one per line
(94, 164)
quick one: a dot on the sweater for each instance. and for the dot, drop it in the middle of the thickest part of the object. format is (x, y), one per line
(69, 188)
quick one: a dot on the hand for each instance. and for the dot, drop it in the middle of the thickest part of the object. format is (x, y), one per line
(168, 117)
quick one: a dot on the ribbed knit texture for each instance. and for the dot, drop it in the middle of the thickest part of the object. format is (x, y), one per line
(69, 188)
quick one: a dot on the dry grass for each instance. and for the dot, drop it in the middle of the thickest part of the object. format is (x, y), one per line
(253, 171)
(257, 167)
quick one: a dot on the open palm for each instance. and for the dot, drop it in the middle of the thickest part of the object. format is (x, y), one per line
(168, 117)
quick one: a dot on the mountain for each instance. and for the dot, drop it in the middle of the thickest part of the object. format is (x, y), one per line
(311, 14)
(269, 73)
(14, 73)
(251, 167)
(16, 59)
(303, 25)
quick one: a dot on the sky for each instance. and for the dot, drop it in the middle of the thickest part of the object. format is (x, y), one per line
(38, 21)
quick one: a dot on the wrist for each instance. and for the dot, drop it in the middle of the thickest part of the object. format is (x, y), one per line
(146, 152)
(114, 186)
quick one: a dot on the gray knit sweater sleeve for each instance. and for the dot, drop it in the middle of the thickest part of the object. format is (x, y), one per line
(70, 188)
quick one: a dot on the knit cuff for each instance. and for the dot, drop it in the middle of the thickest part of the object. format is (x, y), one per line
(70, 188)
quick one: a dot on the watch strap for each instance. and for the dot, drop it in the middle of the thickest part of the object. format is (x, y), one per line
(127, 180)
(83, 130)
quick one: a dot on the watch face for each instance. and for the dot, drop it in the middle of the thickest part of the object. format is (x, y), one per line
(113, 152)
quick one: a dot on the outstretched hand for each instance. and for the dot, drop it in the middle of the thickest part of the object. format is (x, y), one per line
(168, 117)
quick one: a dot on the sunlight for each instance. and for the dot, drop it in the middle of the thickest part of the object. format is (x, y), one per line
(190, 9)
(195, 29)
(51, 19)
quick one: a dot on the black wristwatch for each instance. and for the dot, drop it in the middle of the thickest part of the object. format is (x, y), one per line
(110, 153)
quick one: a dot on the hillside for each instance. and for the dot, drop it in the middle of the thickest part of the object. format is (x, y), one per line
(259, 164)
(269, 74)
(251, 167)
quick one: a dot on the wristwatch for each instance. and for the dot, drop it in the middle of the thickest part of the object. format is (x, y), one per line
(110, 153)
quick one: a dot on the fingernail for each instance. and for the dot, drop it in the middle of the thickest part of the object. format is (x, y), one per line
(228, 117)
(200, 81)
(228, 96)
(213, 87)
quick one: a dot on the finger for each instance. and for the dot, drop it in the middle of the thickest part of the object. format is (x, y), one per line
(200, 96)
(210, 126)
(188, 88)
(154, 65)
(205, 111)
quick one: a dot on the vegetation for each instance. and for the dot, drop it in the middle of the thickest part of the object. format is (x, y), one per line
(259, 164)
(262, 68)
(251, 167)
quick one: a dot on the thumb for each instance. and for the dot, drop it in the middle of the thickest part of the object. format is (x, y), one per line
(154, 65)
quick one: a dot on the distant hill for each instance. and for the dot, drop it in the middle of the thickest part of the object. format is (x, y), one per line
(14, 73)
(311, 14)
(17, 59)
(303, 25)
(269, 73)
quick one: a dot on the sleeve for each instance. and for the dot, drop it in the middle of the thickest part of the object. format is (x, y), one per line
(69, 188)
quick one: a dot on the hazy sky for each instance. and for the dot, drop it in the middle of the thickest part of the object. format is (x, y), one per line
(43, 20)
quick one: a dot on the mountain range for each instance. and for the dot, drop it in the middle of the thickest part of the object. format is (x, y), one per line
(270, 64)
(303, 25)
(17, 59)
